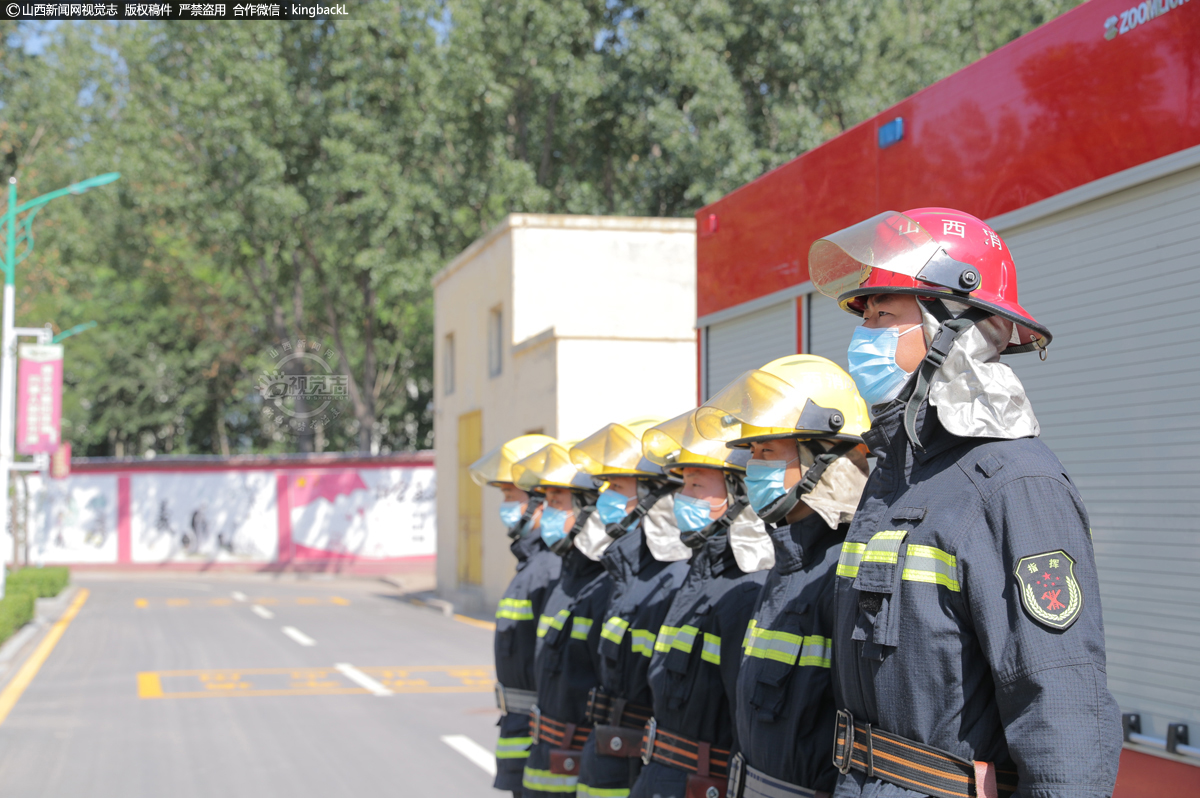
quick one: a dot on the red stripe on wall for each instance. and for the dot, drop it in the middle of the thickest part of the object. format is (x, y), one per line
(124, 530)
(800, 324)
(283, 509)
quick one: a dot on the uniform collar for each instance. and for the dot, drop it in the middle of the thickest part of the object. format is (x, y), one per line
(627, 555)
(796, 543)
(888, 437)
(524, 548)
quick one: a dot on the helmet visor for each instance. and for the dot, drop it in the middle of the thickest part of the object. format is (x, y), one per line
(662, 444)
(756, 398)
(890, 241)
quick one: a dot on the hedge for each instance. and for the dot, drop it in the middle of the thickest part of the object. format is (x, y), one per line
(43, 582)
(16, 610)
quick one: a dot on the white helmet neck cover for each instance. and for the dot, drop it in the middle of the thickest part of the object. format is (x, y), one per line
(976, 395)
(661, 534)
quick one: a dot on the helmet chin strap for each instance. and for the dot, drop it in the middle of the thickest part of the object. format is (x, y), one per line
(645, 502)
(586, 504)
(950, 327)
(778, 510)
(696, 540)
(522, 528)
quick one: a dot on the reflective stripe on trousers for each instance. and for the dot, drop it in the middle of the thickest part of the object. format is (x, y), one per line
(513, 747)
(545, 781)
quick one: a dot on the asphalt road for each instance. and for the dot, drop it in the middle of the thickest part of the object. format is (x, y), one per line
(180, 687)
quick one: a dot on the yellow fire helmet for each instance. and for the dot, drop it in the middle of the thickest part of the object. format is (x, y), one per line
(615, 450)
(496, 467)
(676, 444)
(551, 467)
(799, 396)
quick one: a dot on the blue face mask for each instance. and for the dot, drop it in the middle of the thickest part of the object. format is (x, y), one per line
(872, 360)
(692, 515)
(554, 525)
(611, 506)
(764, 481)
(510, 514)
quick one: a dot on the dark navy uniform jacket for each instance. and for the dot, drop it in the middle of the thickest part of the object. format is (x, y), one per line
(694, 671)
(785, 708)
(939, 640)
(642, 591)
(567, 662)
(516, 638)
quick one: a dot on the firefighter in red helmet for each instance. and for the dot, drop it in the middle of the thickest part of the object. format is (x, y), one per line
(968, 647)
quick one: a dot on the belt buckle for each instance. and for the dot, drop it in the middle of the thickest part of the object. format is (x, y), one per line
(843, 762)
(648, 745)
(737, 769)
(501, 703)
(535, 724)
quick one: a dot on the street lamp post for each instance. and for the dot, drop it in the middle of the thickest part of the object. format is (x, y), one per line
(18, 233)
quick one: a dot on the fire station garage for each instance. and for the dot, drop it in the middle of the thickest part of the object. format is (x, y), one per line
(1080, 144)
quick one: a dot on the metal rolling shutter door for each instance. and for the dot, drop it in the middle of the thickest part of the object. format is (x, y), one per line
(1117, 283)
(747, 342)
(830, 328)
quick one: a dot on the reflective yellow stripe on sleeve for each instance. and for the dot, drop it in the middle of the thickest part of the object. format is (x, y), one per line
(556, 621)
(515, 609)
(666, 638)
(642, 642)
(614, 629)
(790, 649)
(711, 649)
(580, 628)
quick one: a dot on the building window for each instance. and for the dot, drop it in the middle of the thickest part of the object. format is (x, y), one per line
(495, 341)
(448, 364)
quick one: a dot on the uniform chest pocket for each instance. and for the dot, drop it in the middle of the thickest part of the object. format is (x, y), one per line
(878, 584)
(505, 641)
(611, 635)
(554, 630)
(776, 653)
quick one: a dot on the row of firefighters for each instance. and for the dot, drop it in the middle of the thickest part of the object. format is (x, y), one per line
(735, 602)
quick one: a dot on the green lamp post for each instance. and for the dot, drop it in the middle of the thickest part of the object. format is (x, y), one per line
(18, 244)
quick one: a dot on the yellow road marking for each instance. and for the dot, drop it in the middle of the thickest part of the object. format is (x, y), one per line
(339, 600)
(178, 602)
(12, 693)
(308, 601)
(258, 682)
(475, 622)
(141, 604)
(149, 685)
(220, 602)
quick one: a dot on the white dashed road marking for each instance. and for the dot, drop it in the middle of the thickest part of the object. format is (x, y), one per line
(299, 636)
(472, 751)
(361, 679)
(238, 595)
(262, 612)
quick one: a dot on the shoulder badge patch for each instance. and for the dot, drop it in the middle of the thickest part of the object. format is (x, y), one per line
(1049, 591)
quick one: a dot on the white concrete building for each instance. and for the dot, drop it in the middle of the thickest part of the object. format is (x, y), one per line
(537, 323)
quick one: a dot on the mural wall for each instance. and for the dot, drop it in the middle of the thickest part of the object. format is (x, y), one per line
(365, 514)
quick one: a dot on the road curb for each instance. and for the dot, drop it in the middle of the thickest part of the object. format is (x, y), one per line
(17, 648)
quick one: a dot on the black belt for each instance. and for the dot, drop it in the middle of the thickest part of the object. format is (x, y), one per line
(684, 753)
(557, 733)
(605, 710)
(915, 766)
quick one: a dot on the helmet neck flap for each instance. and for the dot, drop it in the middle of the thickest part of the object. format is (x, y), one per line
(777, 511)
(950, 327)
(649, 492)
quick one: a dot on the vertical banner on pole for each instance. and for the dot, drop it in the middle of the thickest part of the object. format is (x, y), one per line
(60, 461)
(39, 398)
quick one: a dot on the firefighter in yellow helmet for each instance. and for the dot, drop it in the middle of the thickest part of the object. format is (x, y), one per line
(566, 660)
(522, 603)
(693, 672)
(801, 417)
(647, 564)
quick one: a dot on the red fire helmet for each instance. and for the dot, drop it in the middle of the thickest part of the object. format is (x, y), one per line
(928, 252)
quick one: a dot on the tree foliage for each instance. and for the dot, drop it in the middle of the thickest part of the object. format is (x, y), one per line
(302, 181)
